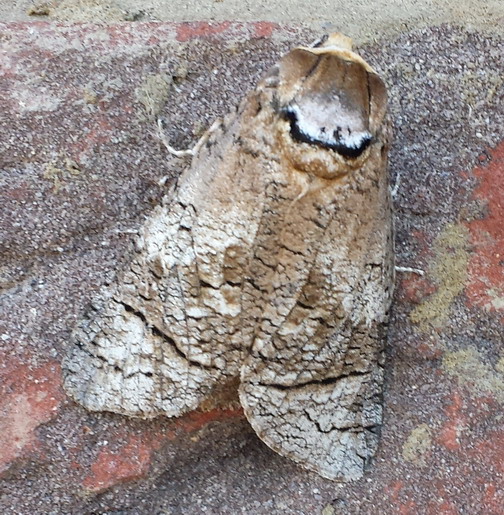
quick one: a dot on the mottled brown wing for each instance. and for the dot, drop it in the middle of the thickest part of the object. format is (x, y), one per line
(164, 336)
(272, 261)
(312, 385)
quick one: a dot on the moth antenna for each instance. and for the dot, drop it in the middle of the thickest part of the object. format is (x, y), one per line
(190, 151)
(126, 231)
(395, 189)
(164, 140)
(407, 269)
(319, 41)
(304, 190)
(215, 125)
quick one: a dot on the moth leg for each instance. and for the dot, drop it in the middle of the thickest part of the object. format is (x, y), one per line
(187, 152)
(395, 188)
(164, 140)
(407, 269)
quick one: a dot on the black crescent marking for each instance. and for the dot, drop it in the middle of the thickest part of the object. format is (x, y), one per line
(346, 151)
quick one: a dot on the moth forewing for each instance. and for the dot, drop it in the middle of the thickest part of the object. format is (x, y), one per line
(272, 261)
(165, 336)
(311, 385)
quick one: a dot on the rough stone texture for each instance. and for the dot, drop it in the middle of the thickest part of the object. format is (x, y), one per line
(361, 19)
(81, 167)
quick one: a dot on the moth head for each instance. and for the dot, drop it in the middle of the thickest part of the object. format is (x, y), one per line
(330, 106)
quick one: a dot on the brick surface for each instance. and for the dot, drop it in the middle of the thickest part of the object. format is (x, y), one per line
(82, 167)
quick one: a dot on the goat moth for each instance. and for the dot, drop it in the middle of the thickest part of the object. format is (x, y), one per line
(270, 263)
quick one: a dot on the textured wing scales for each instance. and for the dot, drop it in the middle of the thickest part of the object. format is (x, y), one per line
(274, 262)
(165, 335)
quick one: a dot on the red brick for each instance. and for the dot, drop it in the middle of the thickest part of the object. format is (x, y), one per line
(450, 432)
(128, 457)
(187, 31)
(31, 397)
(486, 268)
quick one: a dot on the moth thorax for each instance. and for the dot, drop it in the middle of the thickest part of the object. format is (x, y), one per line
(313, 158)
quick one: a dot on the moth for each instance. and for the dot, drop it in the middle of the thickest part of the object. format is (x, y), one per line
(271, 264)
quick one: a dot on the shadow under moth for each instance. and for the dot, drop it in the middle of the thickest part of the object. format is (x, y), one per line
(272, 264)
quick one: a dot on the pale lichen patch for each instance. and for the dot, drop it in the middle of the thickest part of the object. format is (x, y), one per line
(418, 445)
(153, 93)
(468, 366)
(58, 174)
(449, 272)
